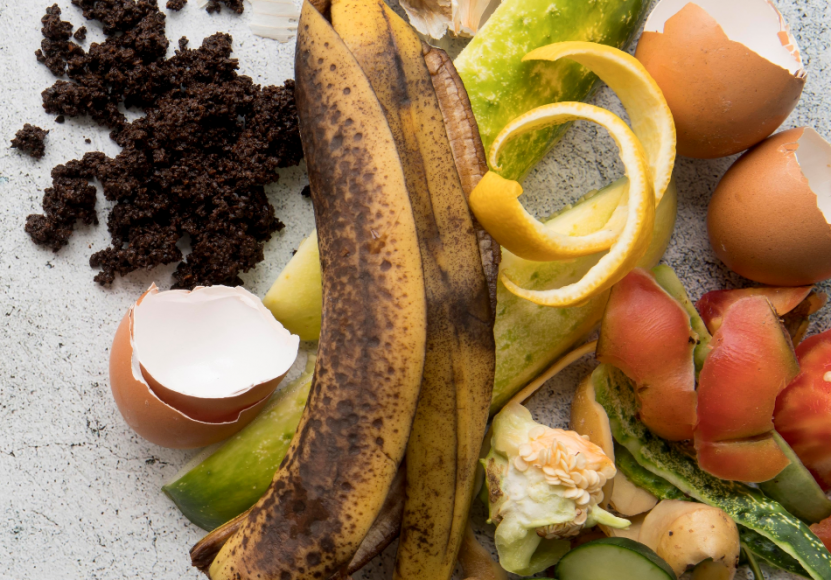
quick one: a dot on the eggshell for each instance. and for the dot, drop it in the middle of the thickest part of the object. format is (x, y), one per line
(724, 97)
(764, 221)
(153, 419)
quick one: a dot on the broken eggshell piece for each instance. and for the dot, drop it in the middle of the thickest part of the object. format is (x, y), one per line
(188, 369)
(730, 71)
(768, 219)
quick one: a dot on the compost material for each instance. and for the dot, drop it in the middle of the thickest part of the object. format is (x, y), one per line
(193, 167)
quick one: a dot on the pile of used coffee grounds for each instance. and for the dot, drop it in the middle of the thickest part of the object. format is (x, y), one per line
(30, 140)
(194, 166)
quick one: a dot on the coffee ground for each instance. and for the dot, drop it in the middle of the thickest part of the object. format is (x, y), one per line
(193, 168)
(235, 5)
(30, 140)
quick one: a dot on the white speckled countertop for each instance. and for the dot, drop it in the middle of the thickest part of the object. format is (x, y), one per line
(80, 494)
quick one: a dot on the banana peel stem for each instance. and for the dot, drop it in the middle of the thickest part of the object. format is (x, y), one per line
(553, 370)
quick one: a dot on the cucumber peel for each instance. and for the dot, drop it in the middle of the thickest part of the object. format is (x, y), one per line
(747, 506)
(754, 544)
(230, 478)
(502, 87)
(796, 489)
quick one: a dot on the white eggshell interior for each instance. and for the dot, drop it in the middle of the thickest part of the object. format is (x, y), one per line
(757, 24)
(814, 158)
(214, 342)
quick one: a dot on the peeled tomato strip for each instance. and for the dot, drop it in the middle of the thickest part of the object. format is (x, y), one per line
(506, 220)
(643, 100)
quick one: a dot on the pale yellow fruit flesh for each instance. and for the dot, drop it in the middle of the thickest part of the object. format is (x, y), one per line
(296, 296)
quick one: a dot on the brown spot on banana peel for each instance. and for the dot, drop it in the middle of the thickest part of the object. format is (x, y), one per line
(468, 151)
(336, 475)
(458, 378)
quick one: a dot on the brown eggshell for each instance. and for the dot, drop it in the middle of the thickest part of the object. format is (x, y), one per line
(151, 418)
(723, 96)
(212, 410)
(763, 220)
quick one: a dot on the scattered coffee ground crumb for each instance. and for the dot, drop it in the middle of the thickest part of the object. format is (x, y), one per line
(87, 140)
(306, 191)
(30, 140)
(81, 34)
(176, 5)
(193, 167)
(56, 50)
(60, 119)
(235, 5)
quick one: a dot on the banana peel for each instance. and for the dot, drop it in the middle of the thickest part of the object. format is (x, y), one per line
(452, 413)
(354, 431)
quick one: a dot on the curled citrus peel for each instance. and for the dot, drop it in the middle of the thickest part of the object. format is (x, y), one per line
(648, 154)
(648, 112)
(526, 237)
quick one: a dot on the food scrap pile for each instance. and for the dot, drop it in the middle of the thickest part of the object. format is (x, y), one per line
(194, 165)
(30, 140)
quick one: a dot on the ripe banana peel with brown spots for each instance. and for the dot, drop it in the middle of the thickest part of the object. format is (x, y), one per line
(451, 418)
(373, 104)
(354, 431)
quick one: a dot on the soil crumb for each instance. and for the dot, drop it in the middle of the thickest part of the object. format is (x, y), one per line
(30, 140)
(192, 168)
(216, 6)
(176, 5)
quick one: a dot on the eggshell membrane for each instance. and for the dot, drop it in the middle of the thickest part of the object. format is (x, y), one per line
(152, 418)
(206, 392)
(763, 220)
(723, 96)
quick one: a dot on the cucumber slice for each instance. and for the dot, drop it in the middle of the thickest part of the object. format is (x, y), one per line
(797, 490)
(613, 559)
(747, 506)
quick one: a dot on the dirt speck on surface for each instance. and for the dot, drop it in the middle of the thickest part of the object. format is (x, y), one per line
(193, 167)
(30, 140)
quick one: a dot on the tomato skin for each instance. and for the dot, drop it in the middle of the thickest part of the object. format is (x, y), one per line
(646, 333)
(713, 305)
(823, 532)
(751, 362)
(803, 410)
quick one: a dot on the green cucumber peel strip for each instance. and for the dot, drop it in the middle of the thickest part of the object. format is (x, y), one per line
(218, 487)
(747, 506)
(502, 87)
(643, 478)
(796, 489)
(755, 545)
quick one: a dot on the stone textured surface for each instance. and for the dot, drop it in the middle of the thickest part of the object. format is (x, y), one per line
(79, 492)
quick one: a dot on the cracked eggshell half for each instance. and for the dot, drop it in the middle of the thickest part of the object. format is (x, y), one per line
(191, 368)
(769, 217)
(730, 71)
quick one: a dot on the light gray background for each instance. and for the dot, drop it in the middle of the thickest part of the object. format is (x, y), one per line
(79, 492)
